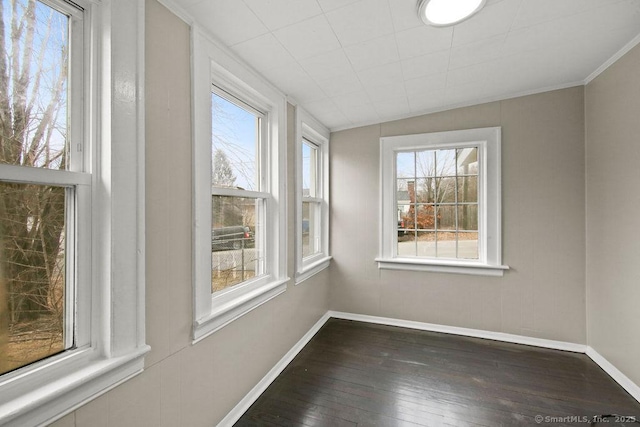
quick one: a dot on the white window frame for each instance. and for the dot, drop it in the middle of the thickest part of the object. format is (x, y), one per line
(307, 128)
(214, 65)
(108, 292)
(488, 142)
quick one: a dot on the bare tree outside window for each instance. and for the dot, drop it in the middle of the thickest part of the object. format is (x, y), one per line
(34, 61)
(437, 203)
(236, 255)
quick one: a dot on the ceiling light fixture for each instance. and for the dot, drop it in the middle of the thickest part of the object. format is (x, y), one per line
(441, 13)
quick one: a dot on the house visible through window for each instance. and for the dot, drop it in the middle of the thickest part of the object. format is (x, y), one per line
(437, 200)
(441, 202)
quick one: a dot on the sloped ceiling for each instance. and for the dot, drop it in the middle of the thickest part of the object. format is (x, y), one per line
(351, 62)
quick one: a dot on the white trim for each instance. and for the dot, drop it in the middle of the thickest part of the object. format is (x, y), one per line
(234, 415)
(441, 266)
(625, 382)
(42, 176)
(609, 62)
(487, 141)
(40, 407)
(307, 127)
(313, 269)
(467, 332)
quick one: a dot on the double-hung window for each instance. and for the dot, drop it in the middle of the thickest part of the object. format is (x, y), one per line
(312, 219)
(239, 193)
(441, 202)
(239, 177)
(45, 183)
(63, 212)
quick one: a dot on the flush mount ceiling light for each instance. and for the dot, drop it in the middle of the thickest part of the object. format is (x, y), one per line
(441, 13)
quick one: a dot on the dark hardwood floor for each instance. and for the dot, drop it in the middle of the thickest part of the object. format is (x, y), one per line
(359, 374)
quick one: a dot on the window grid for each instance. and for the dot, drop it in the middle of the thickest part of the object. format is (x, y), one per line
(437, 205)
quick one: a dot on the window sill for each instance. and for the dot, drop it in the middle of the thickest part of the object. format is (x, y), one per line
(57, 397)
(225, 312)
(443, 266)
(313, 268)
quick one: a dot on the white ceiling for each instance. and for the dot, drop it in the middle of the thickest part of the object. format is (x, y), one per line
(355, 62)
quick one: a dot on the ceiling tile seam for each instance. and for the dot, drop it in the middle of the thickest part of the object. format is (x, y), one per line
(294, 57)
(563, 17)
(258, 18)
(395, 40)
(284, 26)
(211, 38)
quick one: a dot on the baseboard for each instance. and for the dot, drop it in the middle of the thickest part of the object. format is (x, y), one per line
(454, 330)
(625, 382)
(256, 391)
(234, 415)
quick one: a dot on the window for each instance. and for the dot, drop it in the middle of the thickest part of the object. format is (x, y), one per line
(40, 196)
(238, 192)
(59, 334)
(312, 218)
(239, 240)
(441, 202)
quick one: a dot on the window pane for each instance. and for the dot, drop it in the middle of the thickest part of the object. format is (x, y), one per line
(419, 217)
(403, 211)
(32, 273)
(405, 165)
(235, 146)
(468, 245)
(426, 246)
(33, 131)
(310, 228)
(468, 217)
(309, 170)
(406, 243)
(468, 189)
(467, 161)
(236, 253)
(425, 164)
(446, 162)
(426, 190)
(446, 189)
(446, 244)
(446, 216)
(437, 203)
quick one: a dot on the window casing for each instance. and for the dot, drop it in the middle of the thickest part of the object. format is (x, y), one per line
(262, 277)
(103, 215)
(441, 202)
(312, 196)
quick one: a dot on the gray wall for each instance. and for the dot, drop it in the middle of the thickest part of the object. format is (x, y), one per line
(613, 214)
(543, 172)
(184, 384)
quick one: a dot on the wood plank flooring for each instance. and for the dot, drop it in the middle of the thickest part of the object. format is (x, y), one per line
(359, 374)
